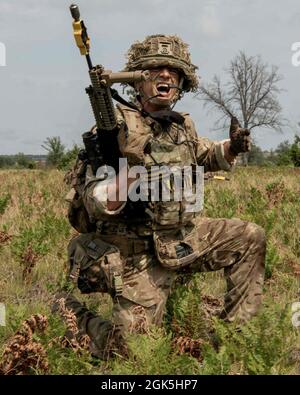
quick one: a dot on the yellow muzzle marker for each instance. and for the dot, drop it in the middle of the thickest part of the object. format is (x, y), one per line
(80, 34)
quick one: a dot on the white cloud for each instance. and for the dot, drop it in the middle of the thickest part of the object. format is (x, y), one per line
(209, 21)
(49, 76)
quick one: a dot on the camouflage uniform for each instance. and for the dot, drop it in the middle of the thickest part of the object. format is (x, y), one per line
(121, 256)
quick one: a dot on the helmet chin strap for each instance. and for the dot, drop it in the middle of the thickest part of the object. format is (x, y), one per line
(149, 97)
(165, 115)
(173, 86)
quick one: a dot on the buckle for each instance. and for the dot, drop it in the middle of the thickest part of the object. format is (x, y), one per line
(118, 284)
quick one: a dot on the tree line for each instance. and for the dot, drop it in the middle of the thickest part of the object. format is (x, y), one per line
(56, 156)
(286, 154)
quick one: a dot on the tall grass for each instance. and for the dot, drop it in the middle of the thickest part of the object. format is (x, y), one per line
(34, 234)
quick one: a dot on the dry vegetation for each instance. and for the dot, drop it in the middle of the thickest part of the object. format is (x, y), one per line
(34, 234)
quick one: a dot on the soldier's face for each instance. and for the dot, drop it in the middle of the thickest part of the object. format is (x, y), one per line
(160, 85)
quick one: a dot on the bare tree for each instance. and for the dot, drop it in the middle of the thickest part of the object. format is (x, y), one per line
(250, 94)
(55, 149)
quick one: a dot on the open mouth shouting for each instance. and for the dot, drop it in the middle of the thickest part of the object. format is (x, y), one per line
(163, 89)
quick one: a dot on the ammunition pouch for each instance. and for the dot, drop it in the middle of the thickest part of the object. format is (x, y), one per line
(95, 266)
(176, 248)
(170, 214)
(77, 213)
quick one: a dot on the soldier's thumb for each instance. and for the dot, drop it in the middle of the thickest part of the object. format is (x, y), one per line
(234, 123)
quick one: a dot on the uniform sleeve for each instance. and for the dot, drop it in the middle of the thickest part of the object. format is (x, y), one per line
(95, 193)
(209, 154)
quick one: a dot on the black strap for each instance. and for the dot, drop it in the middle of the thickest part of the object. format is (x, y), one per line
(115, 95)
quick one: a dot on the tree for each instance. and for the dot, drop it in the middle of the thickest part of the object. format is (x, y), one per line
(24, 161)
(69, 158)
(250, 94)
(295, 151)
(7, 161)
(256, 156)
(55, 149)
(288, 154)
(283, 154)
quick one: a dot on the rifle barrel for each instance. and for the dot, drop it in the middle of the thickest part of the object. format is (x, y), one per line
(75, 12)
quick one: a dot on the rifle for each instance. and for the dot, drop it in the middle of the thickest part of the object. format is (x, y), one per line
(101, 147)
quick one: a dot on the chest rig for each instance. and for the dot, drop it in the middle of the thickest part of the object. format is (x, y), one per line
(161, 150)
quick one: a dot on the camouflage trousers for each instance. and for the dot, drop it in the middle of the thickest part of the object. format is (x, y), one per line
(236, 246)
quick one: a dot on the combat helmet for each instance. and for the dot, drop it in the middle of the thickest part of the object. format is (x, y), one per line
(163, 50)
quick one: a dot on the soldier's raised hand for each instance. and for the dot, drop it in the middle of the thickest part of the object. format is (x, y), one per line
(240, 140)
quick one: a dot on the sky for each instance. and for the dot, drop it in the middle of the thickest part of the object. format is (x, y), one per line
(42, 86)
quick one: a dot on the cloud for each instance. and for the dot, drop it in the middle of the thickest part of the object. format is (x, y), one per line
(42, 87)
(8, 134)
(209, 21)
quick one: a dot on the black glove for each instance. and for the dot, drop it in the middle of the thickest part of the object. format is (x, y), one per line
(240, 140)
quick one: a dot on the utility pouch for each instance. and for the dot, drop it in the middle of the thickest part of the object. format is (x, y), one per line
(96, 266)
(176, 248)
(113, 267)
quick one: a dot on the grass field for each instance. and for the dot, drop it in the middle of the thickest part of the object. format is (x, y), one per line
(34, 234)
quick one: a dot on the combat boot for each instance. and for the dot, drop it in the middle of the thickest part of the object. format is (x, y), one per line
(88, 323)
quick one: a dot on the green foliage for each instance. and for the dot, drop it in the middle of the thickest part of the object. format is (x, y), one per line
(152, 354)
(288, 226)
(220, 202)
(41, 236)
(259, 347)
(282, 154)
(288, 154)
(69, 158)
(272, 260)
(58, 156)
(7, 161)
(269, 197)
(295, 151)
(4, 201)
(256, 156)
(186, 315)
(23, 161)
(64, 360)
(256, 209)
(55, 149)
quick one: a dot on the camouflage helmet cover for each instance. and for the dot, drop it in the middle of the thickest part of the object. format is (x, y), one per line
(162, 50)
